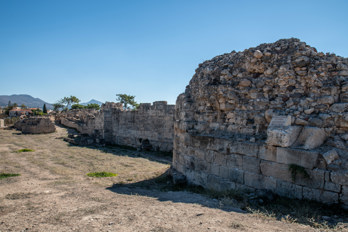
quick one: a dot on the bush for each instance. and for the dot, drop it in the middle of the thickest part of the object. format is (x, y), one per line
(77, 107)
(6, 175)
(93, 106)
(101, 174)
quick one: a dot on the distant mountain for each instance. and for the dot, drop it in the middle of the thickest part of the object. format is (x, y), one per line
(25, 99)
(93, 101)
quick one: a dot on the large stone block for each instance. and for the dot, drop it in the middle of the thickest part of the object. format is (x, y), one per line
(234, 161)
(340, 177)
(219, 184)
(231, 174)
(306, 159)
(344, 196)
(251, 164)
(320, 195)
(248, 149)
(259, 181)
(279, 171)
(268, 153)
(311, 137)
(282, 136)
(287, 189)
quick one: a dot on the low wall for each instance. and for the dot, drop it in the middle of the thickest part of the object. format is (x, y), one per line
(150, 127)
(35, 125)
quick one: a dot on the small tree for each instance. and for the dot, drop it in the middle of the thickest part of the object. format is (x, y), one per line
(23, 106)
(57, 106)
(93, 106)
(127, 101)
(77, 106)
(67, 101)
(44, 109)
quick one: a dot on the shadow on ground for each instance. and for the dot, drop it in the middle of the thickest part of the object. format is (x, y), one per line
(161, 157)
(314, 214)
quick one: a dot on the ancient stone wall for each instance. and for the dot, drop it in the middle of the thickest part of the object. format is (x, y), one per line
(272, 117)
(150, 127)
(35, 125)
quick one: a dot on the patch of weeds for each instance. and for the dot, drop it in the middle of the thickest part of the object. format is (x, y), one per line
(101, 174)
(296, 169)
(235, 225)
(25, 150)
(6, 175)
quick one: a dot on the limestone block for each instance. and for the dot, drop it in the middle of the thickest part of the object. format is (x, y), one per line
(268, 153)
(233, 174)
(218, 184)
(344, 196)
(306, 159)
(290, 190)
(248, 149)
(282, 136)
(251, 164)
(339, 107)
(311, 137)
(2, 123)
(332, 187)
(259, 181)
(279, 171)
(215, 169)
(220, 158)
(330, 156)
(234, 161)
(339, 177)
(320, 195)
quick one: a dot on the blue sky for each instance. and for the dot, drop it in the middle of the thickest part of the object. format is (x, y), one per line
(150, 49)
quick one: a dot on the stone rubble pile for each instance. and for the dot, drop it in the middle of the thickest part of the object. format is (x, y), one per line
(246, 116)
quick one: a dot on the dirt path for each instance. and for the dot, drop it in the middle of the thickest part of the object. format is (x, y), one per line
(53, 192)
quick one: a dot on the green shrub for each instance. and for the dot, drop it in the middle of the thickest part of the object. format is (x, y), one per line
(101, 174)
(6, 175)
(77, 106)
(296, 169)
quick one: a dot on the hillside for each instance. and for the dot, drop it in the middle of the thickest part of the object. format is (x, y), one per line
(93, 101)
(25, 99)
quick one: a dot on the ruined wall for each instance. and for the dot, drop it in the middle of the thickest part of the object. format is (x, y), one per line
(246, 117)
(35, 125)
(150, 127)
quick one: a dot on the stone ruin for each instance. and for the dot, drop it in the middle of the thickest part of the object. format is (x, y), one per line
(150, 127)
(2, 123)
(35, 125)
(273, 117)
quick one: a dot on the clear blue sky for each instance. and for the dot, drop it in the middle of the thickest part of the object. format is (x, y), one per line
(150, 49)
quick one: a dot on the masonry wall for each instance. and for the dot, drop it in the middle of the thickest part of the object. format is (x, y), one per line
(248, 118)
(150, 127)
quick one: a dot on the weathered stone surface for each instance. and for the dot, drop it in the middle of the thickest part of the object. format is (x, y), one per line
(320, 195)
(311, 137)
(36, 125)
(344, 196)
(268, 153)
(248, 149)
(330, 156)
(2, 123)
(282, 136)
(339, 107)
(340, 177)
(287, 189)
(150, 127)
(253, 113)
(259, 181)
(307, 159)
